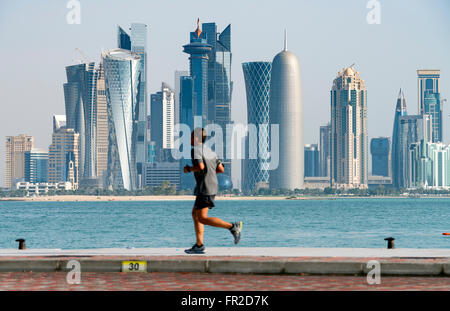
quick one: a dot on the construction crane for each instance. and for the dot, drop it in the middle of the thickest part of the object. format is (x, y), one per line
(85, 58)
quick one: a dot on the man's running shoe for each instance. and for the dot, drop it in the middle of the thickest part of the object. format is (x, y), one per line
(236, 231)
(195, 249)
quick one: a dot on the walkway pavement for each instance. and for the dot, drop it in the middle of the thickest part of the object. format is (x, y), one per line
(163, 281)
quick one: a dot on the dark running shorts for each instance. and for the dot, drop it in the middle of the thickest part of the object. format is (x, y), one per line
(203, 201)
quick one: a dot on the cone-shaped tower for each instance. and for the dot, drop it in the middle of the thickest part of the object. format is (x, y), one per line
(286, 111)
(400, 111)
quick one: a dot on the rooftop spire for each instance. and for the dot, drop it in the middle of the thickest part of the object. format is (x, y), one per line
(198, 31)
(285, 40)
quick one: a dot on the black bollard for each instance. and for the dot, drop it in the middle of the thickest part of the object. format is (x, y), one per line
(21, 243)
(390, 243)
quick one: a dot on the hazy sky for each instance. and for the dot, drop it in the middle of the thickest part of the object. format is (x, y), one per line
(36, 44)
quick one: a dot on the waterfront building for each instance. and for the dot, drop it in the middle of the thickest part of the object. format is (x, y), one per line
(198, 50)
(311, 160)
(257, 85)
(158, 172)
(412, 129)
(43, 187)
(325, 150)
(177, 90)
(122, 77)
(381, 156)
(286, 111)
(63, 161)
(349, 142)
(36, 166)
(430, 100)
(16, 146)
(430, 165)
(162, 118)
(396, 165)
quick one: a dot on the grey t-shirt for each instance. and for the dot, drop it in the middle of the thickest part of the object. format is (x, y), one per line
(207, 179)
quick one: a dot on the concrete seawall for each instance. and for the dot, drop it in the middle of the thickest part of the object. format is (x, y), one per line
(307, 261)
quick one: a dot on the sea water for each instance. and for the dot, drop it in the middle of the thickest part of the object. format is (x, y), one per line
(414, 223)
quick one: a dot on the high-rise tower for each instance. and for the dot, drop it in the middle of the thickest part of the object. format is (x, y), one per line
(198, 49)
(122, 77)
(400, 111)
(380, 150)
(16, 146)
(430, 99)
(325, 150)
(162, 118)
(75, 102)
(136, 42)
(257, 86)
(286, 111)
(349, 145)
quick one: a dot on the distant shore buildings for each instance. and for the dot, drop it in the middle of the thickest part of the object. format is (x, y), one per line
(109, 138)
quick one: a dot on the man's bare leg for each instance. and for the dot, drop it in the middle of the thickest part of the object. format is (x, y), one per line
(199, 227)
(202, 217)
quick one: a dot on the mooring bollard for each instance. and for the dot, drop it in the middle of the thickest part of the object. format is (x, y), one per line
(390, 243)
(21, 243)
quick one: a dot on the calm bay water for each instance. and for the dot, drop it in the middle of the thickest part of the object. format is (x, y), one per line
(415, 223)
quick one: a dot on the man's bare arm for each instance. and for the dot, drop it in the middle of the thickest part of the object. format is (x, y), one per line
(220, 169)
(196, 168)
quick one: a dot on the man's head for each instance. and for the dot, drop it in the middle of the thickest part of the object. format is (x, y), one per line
(198, 136)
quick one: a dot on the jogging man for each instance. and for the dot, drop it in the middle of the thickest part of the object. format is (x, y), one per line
(205, 166)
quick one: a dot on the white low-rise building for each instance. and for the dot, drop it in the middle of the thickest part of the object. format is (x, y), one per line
(40, 188)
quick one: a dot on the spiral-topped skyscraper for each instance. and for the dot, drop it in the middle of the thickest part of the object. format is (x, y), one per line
(286, 110)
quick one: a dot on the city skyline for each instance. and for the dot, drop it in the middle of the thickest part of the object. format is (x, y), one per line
(317, 72)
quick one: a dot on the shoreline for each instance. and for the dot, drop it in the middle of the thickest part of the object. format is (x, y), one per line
(95, 198)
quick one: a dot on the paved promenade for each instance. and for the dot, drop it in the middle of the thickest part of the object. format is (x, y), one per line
(181, 281)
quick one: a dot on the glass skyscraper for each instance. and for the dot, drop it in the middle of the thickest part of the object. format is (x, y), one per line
(400, 111)
(122, 70)
(257, 85)
(36, 166)
(220, 85)
(75, 101)
(429, 99)
(412, 129)
(380, 150)
(325, 150)
(430, 165)
(162, 118)
(311, 160)
(136, 42)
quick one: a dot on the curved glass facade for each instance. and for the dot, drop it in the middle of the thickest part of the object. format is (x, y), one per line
(396, 164)
(257, 85)
(122, 77)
